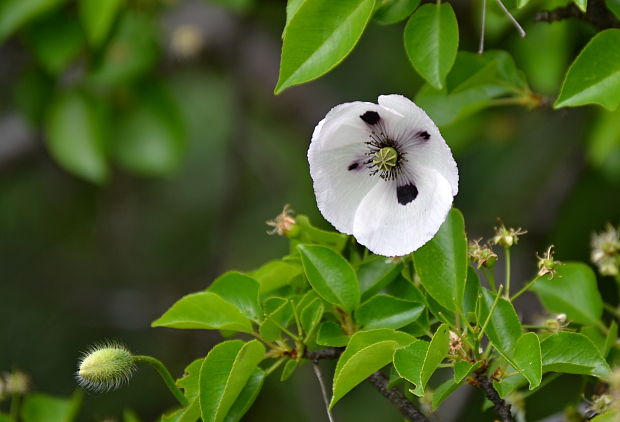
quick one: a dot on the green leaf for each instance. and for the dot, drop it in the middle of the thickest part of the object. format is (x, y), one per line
(442, 262)
(418, 361)
(44, 408)
(470, 298)
(382, 311)
(526, 358)
(474, 82)
(609, 416)
(275, 274)
(97, 18)
(319, 36)
(594, 76)
(224, 374)
(75, 136)
(581, 4)
(292, 6)
(190, 383)
(279, 313)
(289, 369)
(311, 316)
(614, 7)
(431, 41)
(604, 143)
(509, 384)
(394, 11)
(572, 291)
(130, 416)
(504, 328)
(610, 339)
(331, 334)
(149, 138)
(247, 396)
(443, 392)
(572, 353)
(331, 276)
(5, 417)
(310, 234)
(31, 94)
(376, 273)
(241, 291)
(462, 369)
(366, 353)
(204, 310)
(131, 52)
(56, 41)
(15, 13)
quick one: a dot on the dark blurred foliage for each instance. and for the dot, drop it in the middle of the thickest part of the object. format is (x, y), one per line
(199, 153)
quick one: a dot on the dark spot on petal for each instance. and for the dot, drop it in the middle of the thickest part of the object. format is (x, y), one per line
(424, 135)
(353, 166)
(406, 193)
(371, 117)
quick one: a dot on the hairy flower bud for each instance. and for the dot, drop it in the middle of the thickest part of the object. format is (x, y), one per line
(105, 367)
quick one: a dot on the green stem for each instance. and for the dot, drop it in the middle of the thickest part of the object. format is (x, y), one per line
(286, 330)
(275, 366)
(300, 331)
(524, 288)
(612, 310)
(15, 405)
(488, 274)
(507, 258)
(486, 322)
(164, 374)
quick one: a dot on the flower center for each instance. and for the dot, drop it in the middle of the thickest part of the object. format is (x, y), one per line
(385, 158)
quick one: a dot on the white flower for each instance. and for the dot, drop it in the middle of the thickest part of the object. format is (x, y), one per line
(383, 173)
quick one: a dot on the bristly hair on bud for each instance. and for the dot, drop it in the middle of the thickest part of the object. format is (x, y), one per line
(105, 367)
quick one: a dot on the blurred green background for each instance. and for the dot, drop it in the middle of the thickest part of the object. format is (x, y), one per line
(188, 152)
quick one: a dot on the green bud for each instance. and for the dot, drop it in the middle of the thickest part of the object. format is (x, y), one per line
(105, 367)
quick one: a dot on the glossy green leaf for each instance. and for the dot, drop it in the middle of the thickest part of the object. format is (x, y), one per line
(614, 7)
(441, 263)
(509, 384)
(443, 392)
(394, 11)
(609, 416)
(431, 41)
(331, 334)
(581, 4)
(149, 138)
(366, 353)
(15, 13)
(572, 353)
(247, 396)
(97, 18)
(376, 273)
(331, 276)
(190, 383)
(292, 6)
(418, 361)
(204, 310)
(504, 328)
(572, 291)
(475, 81)
(56, 41)
(44, 408)
(610, 339)
(289, 368)
(527, 360)
(319, 36)
(382, 311)
(405, 289)
(310, 316)
(239, 290)
(462, 369)
(75, 136)
(278, 313)
(594, 76)
(275, 274)
(224, 374)
(470, 298)
(604, 143)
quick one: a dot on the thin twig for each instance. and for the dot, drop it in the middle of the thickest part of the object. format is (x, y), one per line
(596, 14)
(501, 407)
(482, 25)
(319, 376)
(398, 399)
(512, 18)
(328, 353)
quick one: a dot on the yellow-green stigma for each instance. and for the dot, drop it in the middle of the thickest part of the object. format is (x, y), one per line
(385, 158)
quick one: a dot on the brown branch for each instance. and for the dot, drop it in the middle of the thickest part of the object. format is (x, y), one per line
(501, 407)
(329, 353)
(398, 399)
(596, 14)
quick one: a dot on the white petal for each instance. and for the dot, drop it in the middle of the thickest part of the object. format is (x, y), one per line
(339, 190)
(433, 153)
(344, 126)
(388, 228)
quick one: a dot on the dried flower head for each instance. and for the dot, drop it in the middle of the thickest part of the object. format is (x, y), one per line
(284, 224)
(546, 263)
(105, 367)
(558, 323)
(456, 343)
(16, 382)
(606, 251)
(481, 255)
(507, 237)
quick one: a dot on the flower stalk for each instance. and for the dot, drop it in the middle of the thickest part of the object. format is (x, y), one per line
(164, 374)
